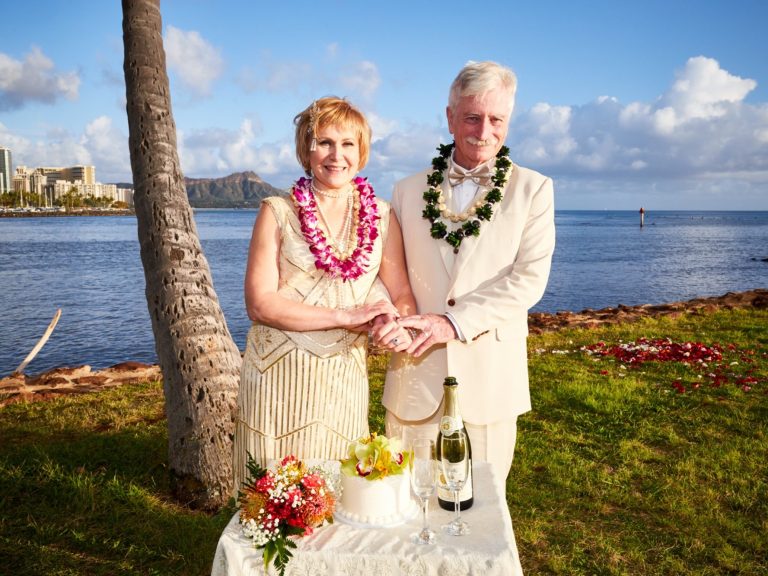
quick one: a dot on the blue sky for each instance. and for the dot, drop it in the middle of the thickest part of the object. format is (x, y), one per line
(661, 104)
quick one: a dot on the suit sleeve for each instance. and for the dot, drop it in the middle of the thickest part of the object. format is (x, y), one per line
(506, 298)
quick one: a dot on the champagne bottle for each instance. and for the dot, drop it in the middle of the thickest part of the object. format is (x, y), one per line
(452, 423)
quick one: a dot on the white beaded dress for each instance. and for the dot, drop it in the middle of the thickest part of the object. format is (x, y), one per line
(305, 393)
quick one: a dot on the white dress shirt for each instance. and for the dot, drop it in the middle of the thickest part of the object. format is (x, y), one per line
(460, 197)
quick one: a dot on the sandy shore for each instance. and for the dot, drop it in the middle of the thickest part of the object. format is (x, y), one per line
(61, 381)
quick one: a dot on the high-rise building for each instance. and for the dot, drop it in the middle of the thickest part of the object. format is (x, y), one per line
(6, 176)
(85, 174)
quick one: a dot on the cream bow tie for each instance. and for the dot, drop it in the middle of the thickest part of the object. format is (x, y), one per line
(481, 175)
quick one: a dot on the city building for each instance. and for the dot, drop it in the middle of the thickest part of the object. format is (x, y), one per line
(51, 183)
(84, 174)
(6, 175)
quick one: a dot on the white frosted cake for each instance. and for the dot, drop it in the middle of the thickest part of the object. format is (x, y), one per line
(375, 484)
(376, 503)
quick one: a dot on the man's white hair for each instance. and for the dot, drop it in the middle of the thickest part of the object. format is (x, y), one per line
(481, 77)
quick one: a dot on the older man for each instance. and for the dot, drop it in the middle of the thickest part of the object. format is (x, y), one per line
(479, 235)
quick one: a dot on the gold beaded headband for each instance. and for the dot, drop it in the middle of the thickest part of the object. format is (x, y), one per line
(312, 128)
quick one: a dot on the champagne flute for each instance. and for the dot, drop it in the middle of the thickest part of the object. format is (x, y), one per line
(423, 468)
(454, 462)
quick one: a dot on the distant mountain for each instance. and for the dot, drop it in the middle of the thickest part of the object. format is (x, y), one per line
(238, 190)
(242, 189)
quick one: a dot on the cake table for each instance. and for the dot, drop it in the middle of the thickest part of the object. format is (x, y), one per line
(344, 550)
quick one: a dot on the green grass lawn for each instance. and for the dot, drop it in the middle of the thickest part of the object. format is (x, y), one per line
(627, 464)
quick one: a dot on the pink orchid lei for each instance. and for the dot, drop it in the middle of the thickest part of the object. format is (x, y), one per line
(354, 265)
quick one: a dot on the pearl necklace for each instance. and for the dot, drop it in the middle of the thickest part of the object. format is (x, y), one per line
(328, 193)
(436, 210)
(365, 215)
(340, 243)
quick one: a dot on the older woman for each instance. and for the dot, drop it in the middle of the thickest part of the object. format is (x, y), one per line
(316, 263)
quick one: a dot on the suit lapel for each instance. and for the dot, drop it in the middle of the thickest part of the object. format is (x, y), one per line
(412, 208)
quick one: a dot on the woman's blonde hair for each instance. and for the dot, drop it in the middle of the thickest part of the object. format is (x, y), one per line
(330, 111)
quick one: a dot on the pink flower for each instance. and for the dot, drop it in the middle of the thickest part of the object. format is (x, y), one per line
(363, 469)
(355, 265)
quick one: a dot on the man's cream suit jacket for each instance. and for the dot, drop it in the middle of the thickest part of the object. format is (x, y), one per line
(488, 288)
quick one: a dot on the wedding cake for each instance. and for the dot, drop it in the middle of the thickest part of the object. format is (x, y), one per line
(375, 484)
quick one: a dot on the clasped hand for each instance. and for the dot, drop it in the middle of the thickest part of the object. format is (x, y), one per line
(411, 334)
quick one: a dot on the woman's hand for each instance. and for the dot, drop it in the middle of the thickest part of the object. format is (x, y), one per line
(359, 319)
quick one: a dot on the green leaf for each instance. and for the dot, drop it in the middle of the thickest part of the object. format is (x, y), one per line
(454, 238)
(445, 149)
(471, 228)
(254, 472)
(438, 230)
(493, 196)
(435, 179)
(270, 550)
(485, 212)
(430, 212)
(439, 164)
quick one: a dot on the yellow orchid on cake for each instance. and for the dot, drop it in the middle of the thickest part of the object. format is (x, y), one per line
(374, 457)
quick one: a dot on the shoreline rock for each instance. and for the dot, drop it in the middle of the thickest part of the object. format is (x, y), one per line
(539, 322)
(75, 380)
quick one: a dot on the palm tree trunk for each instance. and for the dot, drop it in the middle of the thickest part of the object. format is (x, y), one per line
(198, 358)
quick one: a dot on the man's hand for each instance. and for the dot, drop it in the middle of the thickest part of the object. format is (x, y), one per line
(433, 329)
(388, 333)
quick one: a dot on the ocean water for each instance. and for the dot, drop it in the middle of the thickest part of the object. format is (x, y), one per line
(91, 269)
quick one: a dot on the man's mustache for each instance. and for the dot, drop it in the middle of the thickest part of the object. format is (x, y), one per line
(476, 142)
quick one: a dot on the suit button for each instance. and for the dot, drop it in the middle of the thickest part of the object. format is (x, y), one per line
(451, 302)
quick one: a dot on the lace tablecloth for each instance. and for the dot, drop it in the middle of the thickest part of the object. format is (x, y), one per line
(342, 550)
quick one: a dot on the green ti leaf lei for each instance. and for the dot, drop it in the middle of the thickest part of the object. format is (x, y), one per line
(434, 197)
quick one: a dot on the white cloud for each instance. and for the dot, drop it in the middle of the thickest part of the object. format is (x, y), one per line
(12, 141)
(399, 152)
(34, 80)
(380, 127)
(701, 125)
(547, 132)
(362, 79)
(275, 77)
(197, 63)
(56, 148)
(703, 90)
(100, 145)
(336, 74)
(699, 132)
(221, 152)
(107, 147)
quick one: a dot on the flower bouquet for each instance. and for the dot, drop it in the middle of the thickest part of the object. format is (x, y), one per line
(375, 457)
(276, 505)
